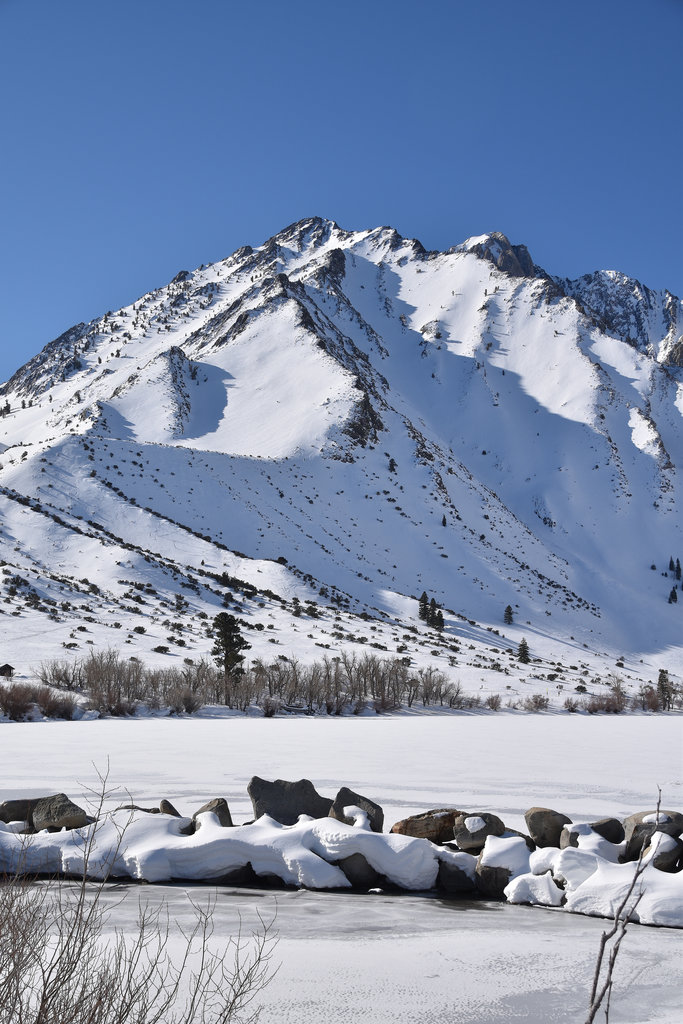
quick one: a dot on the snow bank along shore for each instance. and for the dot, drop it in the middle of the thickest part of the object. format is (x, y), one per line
(300, 838)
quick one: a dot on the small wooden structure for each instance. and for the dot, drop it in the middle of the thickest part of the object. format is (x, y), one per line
(7, 671)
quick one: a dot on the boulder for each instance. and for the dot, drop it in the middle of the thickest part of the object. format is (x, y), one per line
(435, 825)
(610, 829)
(17, 810)
(492, 879)
(359, 872)
(471, 830)
(668, 854)
(219, 807)
(285, 801)
(58, 811)
(347, 798)
(545, 825)
(454, 880)
(640, 827)
(166, 807)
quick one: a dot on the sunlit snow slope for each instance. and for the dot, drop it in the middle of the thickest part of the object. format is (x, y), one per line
(345, 419)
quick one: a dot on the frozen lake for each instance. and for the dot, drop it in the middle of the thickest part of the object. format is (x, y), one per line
(383, 958)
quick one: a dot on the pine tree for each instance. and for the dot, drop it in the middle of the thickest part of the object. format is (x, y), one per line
(523, 652)
(678, 568)
(431, 614)
(507, 615)
(665, 690)
(438, 620)
(424, 606)
(443, 521)
(673, 596)
(228, 643)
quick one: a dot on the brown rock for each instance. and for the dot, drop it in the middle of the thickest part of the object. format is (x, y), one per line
(436, 825)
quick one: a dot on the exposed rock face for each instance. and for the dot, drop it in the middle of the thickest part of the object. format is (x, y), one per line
(545, 825)
(285, 801)
(57, 812)
(346, 798)
(359, 872)
(219, 807)
(471, 830)
(435, 825)
(511, 259)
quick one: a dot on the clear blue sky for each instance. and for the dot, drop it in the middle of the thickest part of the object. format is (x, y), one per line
(140, 137)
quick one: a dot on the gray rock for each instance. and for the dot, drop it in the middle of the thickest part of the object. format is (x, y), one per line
(135, 807)
(17, 810)
(219, 807)
(638, 832)
(491, 881)
(454, 880)
(166, 807)
(57, 812)
(545, 825)
(346, 797)
(472, 839)
(285, 801)
(360, 874)
(669, 860)
(610, 829)
(435, 825)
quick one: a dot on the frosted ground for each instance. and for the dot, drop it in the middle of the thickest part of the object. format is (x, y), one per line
(399, 958)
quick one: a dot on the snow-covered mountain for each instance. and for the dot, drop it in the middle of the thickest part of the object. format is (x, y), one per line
(325, 426)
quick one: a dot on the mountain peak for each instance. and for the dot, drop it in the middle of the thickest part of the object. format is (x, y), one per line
(506, 257)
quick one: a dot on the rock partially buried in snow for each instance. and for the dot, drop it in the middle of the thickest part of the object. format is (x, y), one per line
(640, 827)
(347, 798)
(166, 807)
(435, 825)
(610, 829)
(359, 873)
(17, 810)
(472, 830)
(286, 801)
(545, 825)
(219, 807)
(665, 852)
(499, 862)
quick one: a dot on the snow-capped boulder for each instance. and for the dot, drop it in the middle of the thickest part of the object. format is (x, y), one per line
(545, 825)
(346, 798)
(610, 829)
(219, 807)
(472, 830)
(501, 860)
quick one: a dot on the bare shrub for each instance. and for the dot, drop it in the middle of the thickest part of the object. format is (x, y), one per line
(55, 704)
(60, 964)
(536, 702)
(571, 704)
(647, 699)
(16, 701)
(493, 702)
(64, 675)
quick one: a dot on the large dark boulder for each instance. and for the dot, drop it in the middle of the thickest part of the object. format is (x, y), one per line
(610, 829)
(285, 801)
(545, 825)
(435, 825)
(472, 830)
(347, 798)
(58, 811)
(492, 879)
(640, 827)
(17, 810)
(166, 807)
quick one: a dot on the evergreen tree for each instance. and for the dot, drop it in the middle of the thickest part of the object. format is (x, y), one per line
(665, 690)
(431, 614)
(523, 652)
(673, 596)
(507, 615)
(672, 566)
(678, 568)
(438, 620)
(424, 606)
(443, 521)
(228, 643)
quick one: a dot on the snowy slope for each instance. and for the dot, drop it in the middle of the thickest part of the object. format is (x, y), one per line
(346, 419)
